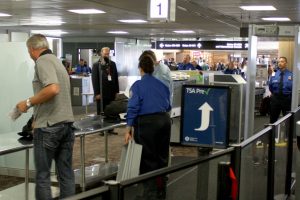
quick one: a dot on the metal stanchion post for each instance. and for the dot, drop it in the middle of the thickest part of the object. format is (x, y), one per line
(82, 161)
(27, 174)
(203, 175)
(224, 182)
(86, 103)
(106, 146)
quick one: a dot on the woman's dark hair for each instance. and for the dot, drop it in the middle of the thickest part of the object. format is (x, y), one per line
(147, 64)
(148, 53)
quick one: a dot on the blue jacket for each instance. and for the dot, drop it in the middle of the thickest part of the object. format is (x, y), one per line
(287, 82)
(148, 95)
(187, 66)
(82, 69)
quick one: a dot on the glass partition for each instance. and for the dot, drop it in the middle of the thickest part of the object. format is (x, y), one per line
(280, 162)
(254, 169)
(188, 183)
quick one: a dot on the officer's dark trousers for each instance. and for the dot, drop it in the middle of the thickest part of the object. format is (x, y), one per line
(279, 103)
(153, 133)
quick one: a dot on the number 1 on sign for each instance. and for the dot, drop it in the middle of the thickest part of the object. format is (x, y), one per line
(159, 7)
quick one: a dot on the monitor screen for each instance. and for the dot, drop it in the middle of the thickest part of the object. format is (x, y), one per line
(205, 115)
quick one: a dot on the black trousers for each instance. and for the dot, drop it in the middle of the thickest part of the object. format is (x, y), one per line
(278, 104)
(153, 132)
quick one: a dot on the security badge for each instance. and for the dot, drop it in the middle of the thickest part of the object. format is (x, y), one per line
(289, 78)
(109, 77)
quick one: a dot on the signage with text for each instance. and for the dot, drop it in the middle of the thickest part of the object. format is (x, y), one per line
(205, 115)
(162, 10)
(207, 45)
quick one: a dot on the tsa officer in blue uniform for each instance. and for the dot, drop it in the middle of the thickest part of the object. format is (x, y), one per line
(147, 114)
(231, 69)
(186, 65)
(280, 85)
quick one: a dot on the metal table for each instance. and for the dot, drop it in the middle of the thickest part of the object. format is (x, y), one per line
(12, 143)
(88, 126)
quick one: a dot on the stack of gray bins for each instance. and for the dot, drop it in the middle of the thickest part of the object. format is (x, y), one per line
(130, 161)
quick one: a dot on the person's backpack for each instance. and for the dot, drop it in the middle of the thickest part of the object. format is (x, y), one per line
(119, 105)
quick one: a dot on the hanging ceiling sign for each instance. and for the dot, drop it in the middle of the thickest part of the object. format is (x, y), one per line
(161, 10)
(205, 45)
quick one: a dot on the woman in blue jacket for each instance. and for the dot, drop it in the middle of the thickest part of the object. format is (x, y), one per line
(147, 115)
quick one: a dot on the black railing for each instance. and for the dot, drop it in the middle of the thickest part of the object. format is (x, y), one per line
(235, 152)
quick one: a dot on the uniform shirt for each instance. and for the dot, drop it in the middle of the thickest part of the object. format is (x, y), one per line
(82, 69)
(187, 66)
(287, 82)
(50, 70)
(231, 71)
(147, 96)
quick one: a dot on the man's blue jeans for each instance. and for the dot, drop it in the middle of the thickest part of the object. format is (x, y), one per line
(54, 143)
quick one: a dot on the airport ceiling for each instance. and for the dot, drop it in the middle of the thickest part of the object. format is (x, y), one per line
(207, 18)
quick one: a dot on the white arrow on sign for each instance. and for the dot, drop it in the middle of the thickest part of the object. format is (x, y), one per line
(206, 109)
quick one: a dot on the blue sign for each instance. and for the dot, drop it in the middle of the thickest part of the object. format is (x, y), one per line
(205, 115)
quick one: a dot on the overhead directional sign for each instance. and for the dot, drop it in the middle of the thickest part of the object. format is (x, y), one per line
(161, 10)
(205, 115)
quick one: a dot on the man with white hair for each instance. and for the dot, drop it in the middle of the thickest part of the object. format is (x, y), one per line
(53, 136)
(108, 82)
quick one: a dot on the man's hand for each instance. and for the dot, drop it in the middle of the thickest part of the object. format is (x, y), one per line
(21, 106)
(98, 97)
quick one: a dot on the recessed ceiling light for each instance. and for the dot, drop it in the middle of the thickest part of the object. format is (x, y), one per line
(4, 15)
(278, 19)
(133, 21)
(49, 32)
(184, 31)
(117, 32)
(258, 8)
(87, 11)
(45, 22)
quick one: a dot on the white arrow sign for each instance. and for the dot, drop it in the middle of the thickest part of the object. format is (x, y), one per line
(206, 109)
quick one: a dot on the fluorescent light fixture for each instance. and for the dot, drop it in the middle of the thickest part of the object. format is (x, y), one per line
(258, 8)
(4, 15)
(132, 21)
(87, 11)
(117, 32)
(184, 31)
(49, 32)
(45, 22)
(277, 19)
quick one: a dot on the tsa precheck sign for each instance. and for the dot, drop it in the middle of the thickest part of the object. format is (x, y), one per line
(205, 115)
